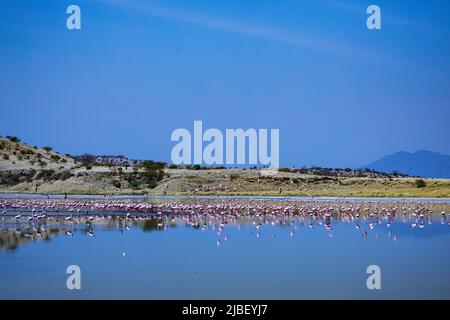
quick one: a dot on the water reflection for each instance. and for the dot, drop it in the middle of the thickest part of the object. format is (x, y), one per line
(20, 228)
(11, 238)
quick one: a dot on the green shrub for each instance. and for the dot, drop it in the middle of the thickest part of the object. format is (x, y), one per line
(13, 138)
(134, 185)
(234, 176)
(42, 163)
(420, 183)
(64, 175)
(11, 178)
(51, 175)
(152, 173)
(46, 174)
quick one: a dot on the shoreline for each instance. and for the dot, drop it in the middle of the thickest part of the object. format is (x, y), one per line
(141, 195)
(250, 198)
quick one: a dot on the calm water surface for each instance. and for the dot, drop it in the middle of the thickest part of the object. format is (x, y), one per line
(180, 257)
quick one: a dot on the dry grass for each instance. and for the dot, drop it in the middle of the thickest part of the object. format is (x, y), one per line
(240, 182)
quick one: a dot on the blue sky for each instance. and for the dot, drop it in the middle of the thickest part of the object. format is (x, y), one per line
(340, 94)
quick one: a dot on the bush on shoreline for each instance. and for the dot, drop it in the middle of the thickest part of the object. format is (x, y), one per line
(420, 183)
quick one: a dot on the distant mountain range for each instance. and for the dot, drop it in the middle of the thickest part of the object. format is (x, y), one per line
(421, 163)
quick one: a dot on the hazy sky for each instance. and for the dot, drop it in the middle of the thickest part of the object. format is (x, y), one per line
(340, 94)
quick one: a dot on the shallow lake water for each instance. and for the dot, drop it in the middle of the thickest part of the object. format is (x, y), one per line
(199, 257)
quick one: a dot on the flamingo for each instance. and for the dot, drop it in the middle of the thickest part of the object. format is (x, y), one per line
(90, 232)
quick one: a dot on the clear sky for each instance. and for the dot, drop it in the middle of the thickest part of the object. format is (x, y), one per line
(340, 94)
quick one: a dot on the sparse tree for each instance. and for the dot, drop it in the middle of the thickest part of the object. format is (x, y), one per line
(47, 148)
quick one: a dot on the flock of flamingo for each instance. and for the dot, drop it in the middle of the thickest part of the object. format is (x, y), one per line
(212, 215)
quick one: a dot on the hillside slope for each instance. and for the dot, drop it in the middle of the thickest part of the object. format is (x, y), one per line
(15, 155)
(28, 169)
